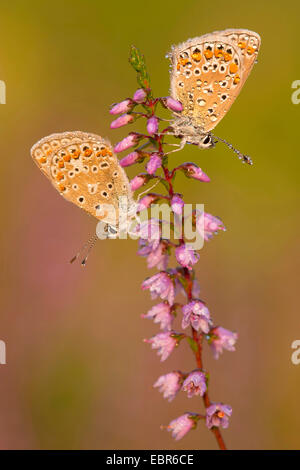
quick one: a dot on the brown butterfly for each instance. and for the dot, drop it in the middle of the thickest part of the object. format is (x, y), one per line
(85, 171)
(207, 74)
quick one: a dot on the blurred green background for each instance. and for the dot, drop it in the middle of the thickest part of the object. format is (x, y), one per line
(78, 375)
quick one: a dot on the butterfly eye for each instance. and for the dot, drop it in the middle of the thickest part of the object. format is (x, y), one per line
(207, 140)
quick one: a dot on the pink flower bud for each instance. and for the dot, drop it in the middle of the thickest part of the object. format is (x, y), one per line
(139, 96)
(138, 181)
(146, 201)
(121, 121)
(153, 164)
(122, 107)
(174, 105)
(177, 204)
(130, 159)
(152, 125)
(126, 143)
(193, 171)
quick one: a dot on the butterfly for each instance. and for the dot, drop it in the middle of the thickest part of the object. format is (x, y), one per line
(207, 74)
(85, 171)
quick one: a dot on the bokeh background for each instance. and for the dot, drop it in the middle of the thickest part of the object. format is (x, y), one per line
(78, 375)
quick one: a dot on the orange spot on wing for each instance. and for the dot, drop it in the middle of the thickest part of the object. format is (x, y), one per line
(227, 57)
(183, 61)
(88, 152)
(242, 45)
(104, 152)
(236, 79)
(250, 50)
(59, 176)
(67, 158)
(43, 160)
(208, 53)
(61, 187)
(196, 56)
(233, 68)
(76, 154)
(61, 164)
(218, 53)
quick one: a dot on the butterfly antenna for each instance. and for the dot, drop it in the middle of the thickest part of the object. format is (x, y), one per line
(147, 190)
(90, 243)
(241, 156)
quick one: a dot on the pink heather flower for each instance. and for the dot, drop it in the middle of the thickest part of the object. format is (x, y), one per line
(161, 313)
(153, 164)
(217, 415)
(121, 121)
(160, 285)
(126, 143)
(122, 107)
(150, 230)
(174, 105)
(197, 315)
(181, 426)
(138, 181)
(152, 125)
(195, 384)
(156, 255)
(130, 159)
(169, 384)
(220, 339)
(146, 202)
(186, 256)
(177, 204)
(193, 171)
(139, 96)
(208, 225)
(164, 342)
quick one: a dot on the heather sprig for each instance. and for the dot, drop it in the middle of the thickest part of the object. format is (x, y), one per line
(194, 316)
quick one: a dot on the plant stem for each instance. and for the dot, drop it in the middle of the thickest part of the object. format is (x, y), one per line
(197, 338)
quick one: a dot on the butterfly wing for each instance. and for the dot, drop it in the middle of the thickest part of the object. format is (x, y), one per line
(85, 171)
(208, 73)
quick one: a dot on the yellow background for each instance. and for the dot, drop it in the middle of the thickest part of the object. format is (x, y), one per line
(78, 374)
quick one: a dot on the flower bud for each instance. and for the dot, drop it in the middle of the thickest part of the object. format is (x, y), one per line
(139, 96)
(152, 125)
(138, 181)
(193, 171)
(172, 104)
(121, 121)
(126, 143)
(177, 204)
(153, 164)
(122, 107)
(130, 159)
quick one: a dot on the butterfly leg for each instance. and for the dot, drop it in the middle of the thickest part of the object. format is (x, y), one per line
(180, 146)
